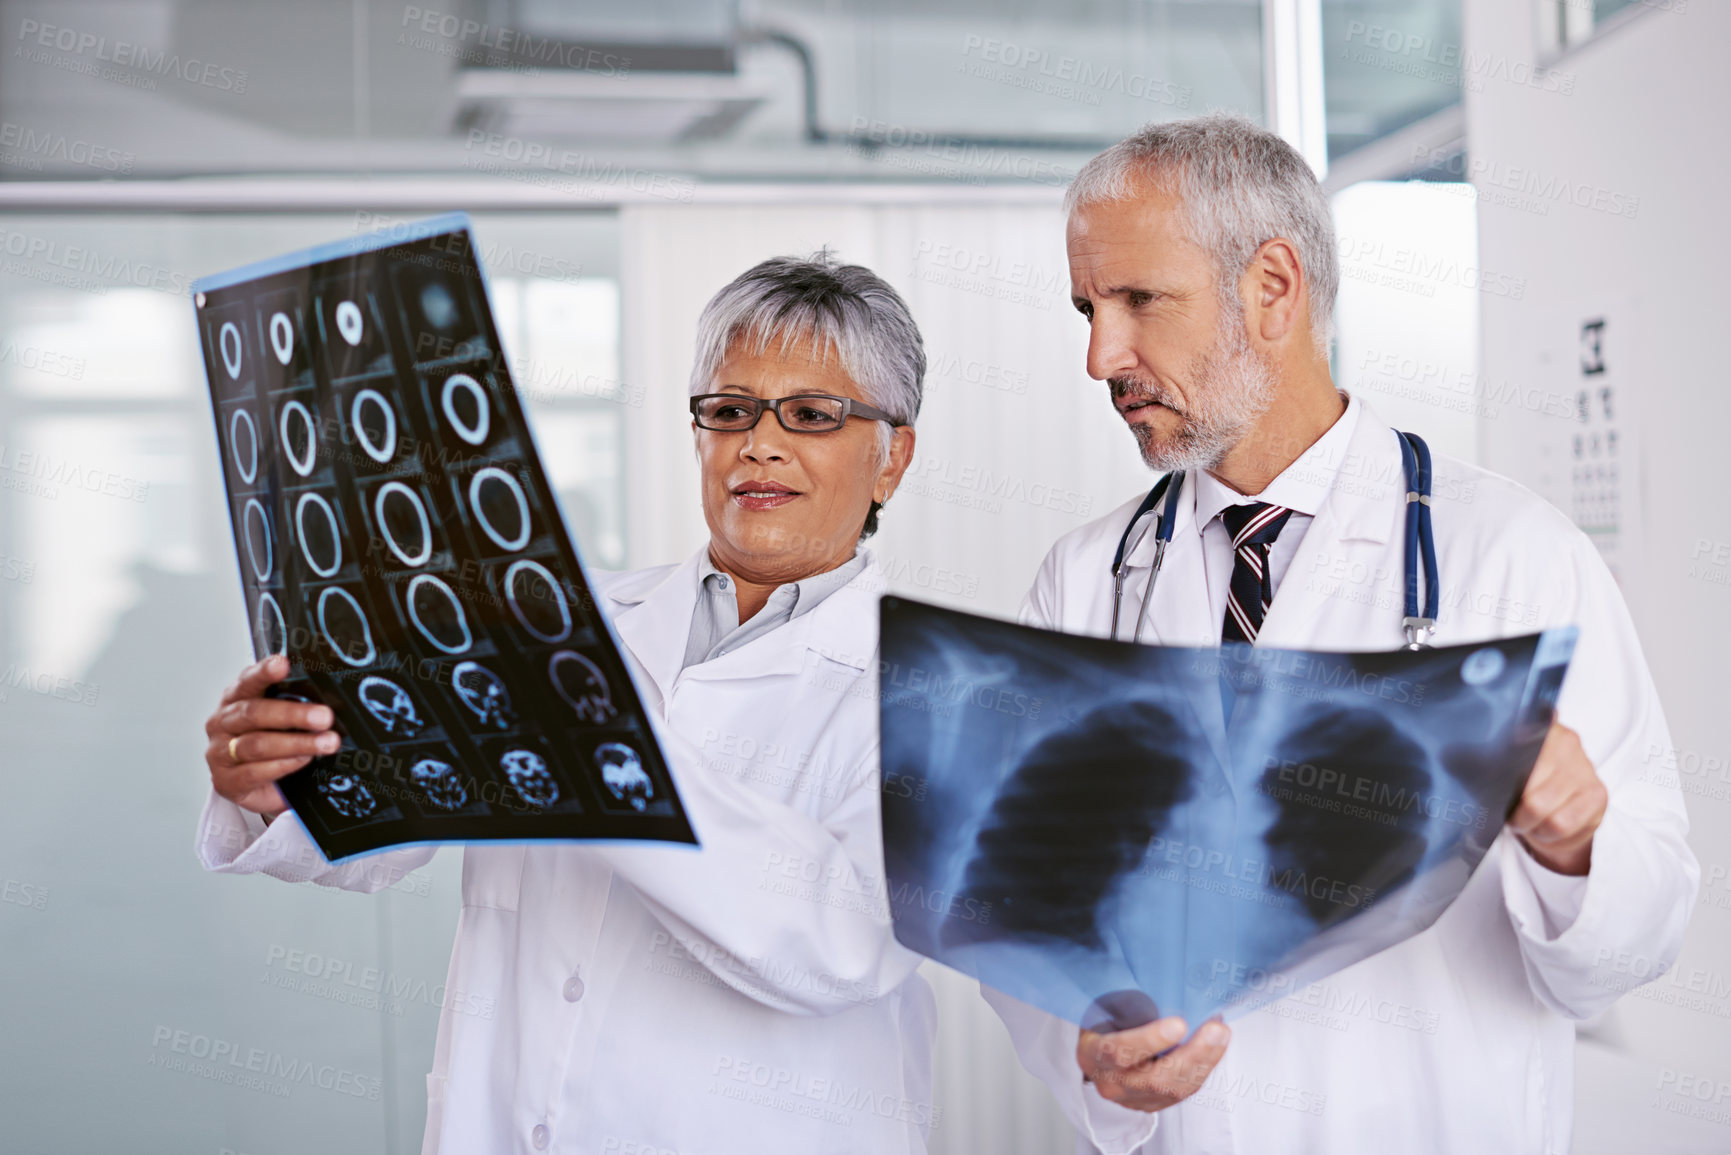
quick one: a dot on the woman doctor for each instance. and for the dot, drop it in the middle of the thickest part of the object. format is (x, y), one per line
(748, 996)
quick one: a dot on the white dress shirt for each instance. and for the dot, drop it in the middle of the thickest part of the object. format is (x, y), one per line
(1302, 487)
(715, 625)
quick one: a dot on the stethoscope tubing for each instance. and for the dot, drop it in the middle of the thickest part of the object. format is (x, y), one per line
(1420, 544)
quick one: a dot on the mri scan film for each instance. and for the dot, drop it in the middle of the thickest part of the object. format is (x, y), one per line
(399, 541)
(1116, 832)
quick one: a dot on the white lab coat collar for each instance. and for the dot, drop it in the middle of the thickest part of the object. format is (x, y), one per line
(1363, 508)
(1347, 471)
(657, 622)
(1302, 487)
(1364, 498)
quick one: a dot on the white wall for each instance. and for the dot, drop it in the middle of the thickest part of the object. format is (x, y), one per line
(1407, 316)
(1604, 187)
(1016, 446)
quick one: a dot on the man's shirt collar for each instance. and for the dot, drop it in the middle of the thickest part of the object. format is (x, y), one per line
(1302, 487)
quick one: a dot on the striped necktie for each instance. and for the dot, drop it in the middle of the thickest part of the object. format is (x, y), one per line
(1253, 528)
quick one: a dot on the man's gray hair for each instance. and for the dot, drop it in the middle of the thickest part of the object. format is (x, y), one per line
(845, 307)
(1241, 185)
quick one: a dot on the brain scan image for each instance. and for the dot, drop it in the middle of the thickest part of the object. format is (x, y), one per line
(285, 358)
(466, 409)
(345, 627)
(526, 771)
(298, 437)
(484, 693)
(272, 630)
(256, 526)
(243, 444)
(536, 600)
(350, 326)
(441, 323)
(229, 342)
(403, 523)
(320, 538)
(436, 612)
(282, 337)
(438, 306)
(347, 795)
(583, 686)
(373, 420)
(440, 782)
(353, 342)
(398, 541)
(501, 509)
(391, 705)
(622, 771)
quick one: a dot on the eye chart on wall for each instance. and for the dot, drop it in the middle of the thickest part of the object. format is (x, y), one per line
(399, 541)
(1575, 434)
(1603, 450)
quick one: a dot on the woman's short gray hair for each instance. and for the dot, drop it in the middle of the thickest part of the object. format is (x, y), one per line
(1241, 185)
(845, 307)
(829, 305)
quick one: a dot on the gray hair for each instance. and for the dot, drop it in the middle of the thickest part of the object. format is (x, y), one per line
(1241, 186)
(847, 308)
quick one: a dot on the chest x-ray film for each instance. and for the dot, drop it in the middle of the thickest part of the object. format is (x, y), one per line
(1116, 832)
(399, 541)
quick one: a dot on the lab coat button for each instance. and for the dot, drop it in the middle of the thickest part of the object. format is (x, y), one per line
(540, 1136)
(573, 989)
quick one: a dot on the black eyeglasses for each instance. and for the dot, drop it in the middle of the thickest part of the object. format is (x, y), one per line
(804, 413)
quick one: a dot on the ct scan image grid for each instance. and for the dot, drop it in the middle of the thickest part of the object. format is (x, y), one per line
(399, 541)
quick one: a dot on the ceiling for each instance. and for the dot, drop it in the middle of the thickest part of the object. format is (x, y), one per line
(970, 90)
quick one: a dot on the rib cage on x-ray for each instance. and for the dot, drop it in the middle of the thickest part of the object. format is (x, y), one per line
(1083, 825)
(399, 541)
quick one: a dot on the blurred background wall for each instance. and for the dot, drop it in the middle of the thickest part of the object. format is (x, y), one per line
(1525, 192)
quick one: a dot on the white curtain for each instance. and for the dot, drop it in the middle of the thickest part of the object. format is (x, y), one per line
(1016, 447)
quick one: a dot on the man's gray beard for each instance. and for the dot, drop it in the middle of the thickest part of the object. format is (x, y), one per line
(1231, 386)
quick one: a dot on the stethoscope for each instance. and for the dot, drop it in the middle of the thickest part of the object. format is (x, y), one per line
(1420, 544)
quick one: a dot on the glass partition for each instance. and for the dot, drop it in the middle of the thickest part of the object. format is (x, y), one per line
(208, 1013)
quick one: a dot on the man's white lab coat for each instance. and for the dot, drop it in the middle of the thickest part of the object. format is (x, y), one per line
(743, 997)
(1461, 1038)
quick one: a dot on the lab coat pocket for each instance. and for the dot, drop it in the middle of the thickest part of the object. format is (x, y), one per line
(435, 1114)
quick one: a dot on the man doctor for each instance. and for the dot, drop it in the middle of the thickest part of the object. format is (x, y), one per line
(1203, 257)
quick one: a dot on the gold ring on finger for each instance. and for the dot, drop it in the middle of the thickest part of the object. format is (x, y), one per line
(232, 756)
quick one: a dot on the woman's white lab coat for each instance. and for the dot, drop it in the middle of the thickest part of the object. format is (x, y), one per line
(645, 999)
(1460, 1039)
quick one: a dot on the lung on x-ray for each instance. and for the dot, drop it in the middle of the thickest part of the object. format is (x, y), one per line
(1115, 832)
(399, 541)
